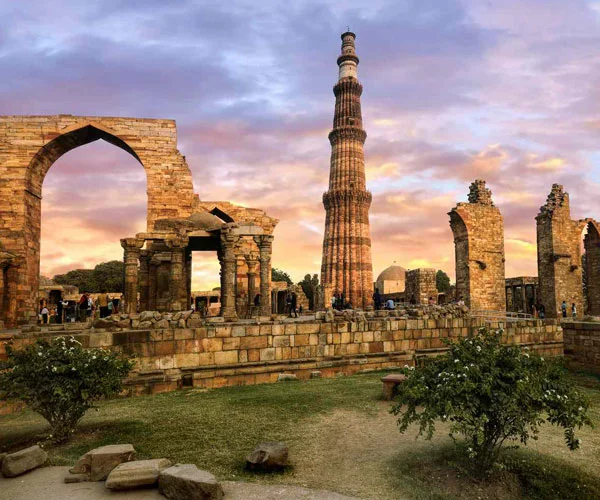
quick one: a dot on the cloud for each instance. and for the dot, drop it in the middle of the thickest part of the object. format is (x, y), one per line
(453, 91)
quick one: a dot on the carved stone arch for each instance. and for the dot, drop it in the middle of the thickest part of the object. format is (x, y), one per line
(591, 244)
(84, 132)
(461, 252)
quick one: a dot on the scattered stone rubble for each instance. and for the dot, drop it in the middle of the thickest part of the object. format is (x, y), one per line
(187, 482)
(136, 474)
(97, 464)
(15, 464)
(268, 456)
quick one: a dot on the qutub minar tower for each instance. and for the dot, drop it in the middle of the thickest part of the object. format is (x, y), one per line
(346, 265)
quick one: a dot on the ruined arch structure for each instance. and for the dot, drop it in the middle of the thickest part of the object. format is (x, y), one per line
(29, 145)
(559, 257)
(478, 229)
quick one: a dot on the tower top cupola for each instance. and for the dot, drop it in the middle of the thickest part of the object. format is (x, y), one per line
(348, 61)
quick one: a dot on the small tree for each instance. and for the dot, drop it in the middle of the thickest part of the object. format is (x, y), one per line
(60, 380)
(279, 275)
(309, 285)
(490, 394)
(442, 281)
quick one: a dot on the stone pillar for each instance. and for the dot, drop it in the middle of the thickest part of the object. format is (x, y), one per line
(131, 247)
(152, 270)
(227, 259)
(252, 262)
(178, 280)
(265, 246)
(524, 297)
(144, 280)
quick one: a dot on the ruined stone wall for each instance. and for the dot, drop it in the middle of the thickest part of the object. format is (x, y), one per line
(420, 285)
(29, 146)
(582, 344)
(559, 254)
(175, 350)
(478, 229)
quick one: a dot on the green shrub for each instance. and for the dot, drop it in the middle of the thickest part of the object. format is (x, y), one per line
(490, 394)
(60, 380)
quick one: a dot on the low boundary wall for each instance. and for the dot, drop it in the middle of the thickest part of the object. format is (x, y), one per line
(582, 344)
(211, 355)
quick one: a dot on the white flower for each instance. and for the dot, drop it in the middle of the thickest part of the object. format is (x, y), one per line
(478, 348)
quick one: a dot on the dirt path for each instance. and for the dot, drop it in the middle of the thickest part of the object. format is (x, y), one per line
(47, 483)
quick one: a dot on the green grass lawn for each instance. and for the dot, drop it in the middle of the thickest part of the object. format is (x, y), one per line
(341, 437)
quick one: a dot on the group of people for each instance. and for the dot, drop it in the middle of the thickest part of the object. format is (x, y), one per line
(563, 308)
(66, 311)
(339, 302)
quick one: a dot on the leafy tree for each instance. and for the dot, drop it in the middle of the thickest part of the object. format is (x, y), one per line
(490, 394)
(105, 277)
(442, 281)
(60, 380)
(81, 278)
(279, 275)
(109, 276)
(308, 285)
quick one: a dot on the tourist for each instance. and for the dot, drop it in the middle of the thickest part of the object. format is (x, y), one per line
(293, 304)
(59, 310)
(91, 307)
(333, 300)
(83, 307)
(44, 312)
(563, 307)
(574, 310)
(390, 304)
(534, 311)
(542, 311)
(102, 302)
(377, 299)
(257, 300)
(431, 301)
(110, 307)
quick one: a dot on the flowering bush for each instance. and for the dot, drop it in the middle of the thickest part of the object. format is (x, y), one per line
(490, 394)
(60, 380)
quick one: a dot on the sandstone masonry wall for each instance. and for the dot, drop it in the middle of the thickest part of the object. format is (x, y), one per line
(29, 146)
(478, 229)
(176, 351)
(582, 344)
(420, 285)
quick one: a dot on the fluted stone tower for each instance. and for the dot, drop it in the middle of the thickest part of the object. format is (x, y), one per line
(346, 266)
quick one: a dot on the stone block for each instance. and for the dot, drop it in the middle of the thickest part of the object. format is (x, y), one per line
(253, 342)
(268, 456)
(136, 474)
(187, 482)
(226, 357)
(15, 464)
(99, 462)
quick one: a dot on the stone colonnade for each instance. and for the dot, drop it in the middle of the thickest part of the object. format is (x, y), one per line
(521, 293)
(162, 272)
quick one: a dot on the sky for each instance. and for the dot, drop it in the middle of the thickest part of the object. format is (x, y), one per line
(453, 91)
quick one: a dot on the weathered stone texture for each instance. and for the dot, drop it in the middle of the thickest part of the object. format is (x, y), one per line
(478, 229)
(15, 464)
(582, 344)
(559, 257)
(420, 286)
(346, 266)
(29, 145)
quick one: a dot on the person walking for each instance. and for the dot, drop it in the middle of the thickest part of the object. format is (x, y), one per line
(83, 307)
(377, 299)
(294, 303)
(59, 311)
(44, 312)
(574, 310)
(563, 307)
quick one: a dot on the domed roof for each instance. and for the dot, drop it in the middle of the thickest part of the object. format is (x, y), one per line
(392, 273)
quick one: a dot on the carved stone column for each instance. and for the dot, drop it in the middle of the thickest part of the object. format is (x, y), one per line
(227, 259)
(144, 280)
(178, 285)
(265, 246)
(132, 247)
(252, 262)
